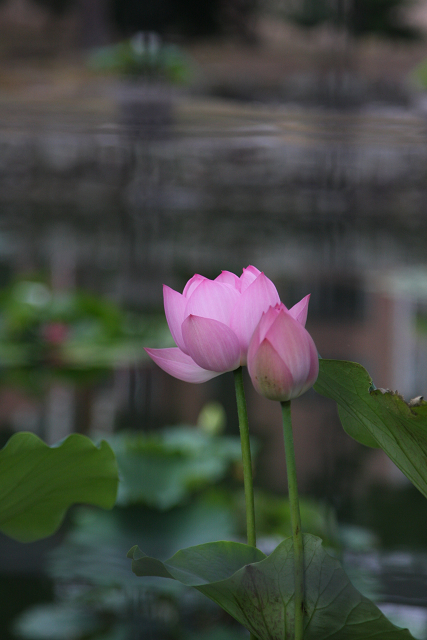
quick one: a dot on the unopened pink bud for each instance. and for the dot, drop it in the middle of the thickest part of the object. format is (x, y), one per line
(282, 357)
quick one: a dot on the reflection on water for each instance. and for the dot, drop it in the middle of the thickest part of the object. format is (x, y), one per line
(397, 582)
(324, 202)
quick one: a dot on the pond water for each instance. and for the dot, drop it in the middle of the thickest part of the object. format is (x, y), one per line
(326, 202)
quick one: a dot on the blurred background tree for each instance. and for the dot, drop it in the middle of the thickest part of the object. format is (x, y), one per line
(105, 20)
(359, 17)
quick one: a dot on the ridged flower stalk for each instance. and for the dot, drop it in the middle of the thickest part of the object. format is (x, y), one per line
(247, 461)
(295, 520)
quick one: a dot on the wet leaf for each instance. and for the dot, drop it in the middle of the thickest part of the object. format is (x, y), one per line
(378, 418)
(258, 590)
(39, 483)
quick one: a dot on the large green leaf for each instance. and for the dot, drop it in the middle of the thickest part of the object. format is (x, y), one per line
(258, 591)
(39, 483)
(378, 418)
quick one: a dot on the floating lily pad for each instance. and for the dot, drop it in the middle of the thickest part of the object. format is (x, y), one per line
(39, 483)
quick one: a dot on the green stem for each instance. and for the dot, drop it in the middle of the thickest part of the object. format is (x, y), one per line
(295, 521)
(247, 461)
(246, 456)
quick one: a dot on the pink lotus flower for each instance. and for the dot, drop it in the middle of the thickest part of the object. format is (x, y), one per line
(55, 333)
(212, 322)
(282, 357)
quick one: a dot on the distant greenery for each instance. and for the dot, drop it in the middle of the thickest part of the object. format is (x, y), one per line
(143, 55)
(163, 469)
(73, 334)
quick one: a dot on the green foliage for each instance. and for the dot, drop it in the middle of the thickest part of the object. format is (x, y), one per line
(163, 469)
(184, 462)
(39, 483)
(92, 557)
(67, 334)
(29, 304)
(258, 591)
(378, 418)
(419, 76)
(273, 518)
(212, 418)
(138, 58)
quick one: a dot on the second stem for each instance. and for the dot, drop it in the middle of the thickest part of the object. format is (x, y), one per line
(295, 520)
